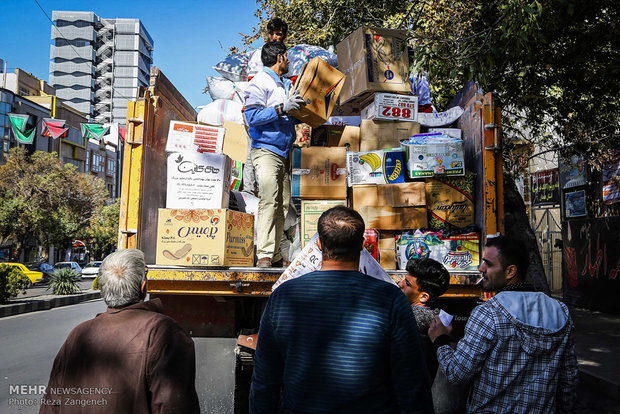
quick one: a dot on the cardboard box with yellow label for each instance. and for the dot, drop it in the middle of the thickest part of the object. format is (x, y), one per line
(218, 237)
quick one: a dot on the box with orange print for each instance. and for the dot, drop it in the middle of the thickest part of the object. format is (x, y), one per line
(219, 237)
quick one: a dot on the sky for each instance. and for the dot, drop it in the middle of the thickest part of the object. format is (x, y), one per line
(190, 36)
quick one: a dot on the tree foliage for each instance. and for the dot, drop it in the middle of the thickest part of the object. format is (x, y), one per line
(12, 281)
(102, 233)
(554, 65)
(44, 200)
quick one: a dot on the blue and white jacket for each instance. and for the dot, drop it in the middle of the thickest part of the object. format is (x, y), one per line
(267, 129)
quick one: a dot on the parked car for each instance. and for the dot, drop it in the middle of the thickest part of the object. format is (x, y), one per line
(71, 265)
(91, 270)
(35, 277)
(42, 267)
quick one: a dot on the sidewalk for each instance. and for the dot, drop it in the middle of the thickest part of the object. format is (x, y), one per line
(45, 302)
(597, 343)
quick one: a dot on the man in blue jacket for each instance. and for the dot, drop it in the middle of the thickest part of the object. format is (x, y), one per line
(272, 130)
(337, 340)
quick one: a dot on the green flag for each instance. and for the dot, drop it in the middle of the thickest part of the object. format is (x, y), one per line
(96, 131)
(19, 123)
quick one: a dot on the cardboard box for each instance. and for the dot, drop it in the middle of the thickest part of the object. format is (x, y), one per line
(427, 160)
(392, 107)
(373, 59)
(387, 240)
(458, 252)
(393, 195)
(375, 167)
(311, 210)
(303, 135)
(337, 136)
(185, 136)
(344, 120)
(319, 84)
(393, 218)
(217, 237)
(450, 202)
(377, 135)
(387, 249)
(319, 173)
(198, 180)
(387, 259)
(235, 141)
(451, 132)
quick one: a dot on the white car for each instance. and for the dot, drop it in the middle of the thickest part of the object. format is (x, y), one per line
(91, 270)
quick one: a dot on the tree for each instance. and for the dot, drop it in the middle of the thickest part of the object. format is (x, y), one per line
(102, 234)
(553, 65)
(44, 200)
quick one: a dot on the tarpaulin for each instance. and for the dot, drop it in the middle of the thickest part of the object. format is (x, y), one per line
(54, 128)
(19, 125)
(96, 131)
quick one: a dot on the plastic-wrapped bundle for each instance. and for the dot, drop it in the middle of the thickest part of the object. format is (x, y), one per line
(236, 67)
(221, 110)
(222, 88)
(300, 54)
(420, 88)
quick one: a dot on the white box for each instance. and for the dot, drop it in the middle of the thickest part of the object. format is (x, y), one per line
(451, 132)
(185, 136)
(198, 180)
(392, 107)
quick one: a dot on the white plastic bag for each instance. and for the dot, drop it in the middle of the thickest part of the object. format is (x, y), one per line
(221, 110)
(300, 54)
(222, 88)
(236, 67)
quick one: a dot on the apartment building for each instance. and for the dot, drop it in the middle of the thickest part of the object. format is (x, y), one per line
(97, 64)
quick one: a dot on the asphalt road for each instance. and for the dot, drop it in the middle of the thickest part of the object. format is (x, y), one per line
(29, 343)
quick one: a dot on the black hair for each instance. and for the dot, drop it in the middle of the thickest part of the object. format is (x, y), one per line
(511, 252)
(431, 276)
(277, 24)
(341, 230)
(270, 52)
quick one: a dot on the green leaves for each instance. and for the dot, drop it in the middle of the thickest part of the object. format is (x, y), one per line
(12, 281)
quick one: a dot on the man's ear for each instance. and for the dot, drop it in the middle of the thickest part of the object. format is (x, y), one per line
(510, 272)
(318, 244)
(424, 297)
(143, 289)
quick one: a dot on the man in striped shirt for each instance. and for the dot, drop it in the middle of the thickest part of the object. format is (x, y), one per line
(338, 341)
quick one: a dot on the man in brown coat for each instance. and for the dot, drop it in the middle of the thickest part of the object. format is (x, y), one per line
(130, 359)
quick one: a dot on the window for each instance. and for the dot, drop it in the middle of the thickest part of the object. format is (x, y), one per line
(98, 164)
(111, 166)
(87, 160)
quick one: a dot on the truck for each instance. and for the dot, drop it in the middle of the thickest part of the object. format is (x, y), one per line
(224, 302)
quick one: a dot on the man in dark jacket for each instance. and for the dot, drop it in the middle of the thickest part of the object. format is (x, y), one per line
(339, 341)
(130, 359)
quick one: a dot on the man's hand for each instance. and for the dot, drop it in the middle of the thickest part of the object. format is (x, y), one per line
(293, 103)
(437, 329)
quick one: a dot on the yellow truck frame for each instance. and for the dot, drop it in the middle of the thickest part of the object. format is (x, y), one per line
(222, 301)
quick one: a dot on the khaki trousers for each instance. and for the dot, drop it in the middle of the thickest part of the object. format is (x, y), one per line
(273, 175)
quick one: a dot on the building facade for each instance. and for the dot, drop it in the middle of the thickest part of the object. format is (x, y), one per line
(97, 65)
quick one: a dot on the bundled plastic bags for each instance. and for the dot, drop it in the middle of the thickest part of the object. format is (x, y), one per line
(221, 110)
(300, 54)
(236, 67)
(222, 88)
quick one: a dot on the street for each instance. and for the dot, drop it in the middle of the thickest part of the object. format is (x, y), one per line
(30, 341)
(42, 289)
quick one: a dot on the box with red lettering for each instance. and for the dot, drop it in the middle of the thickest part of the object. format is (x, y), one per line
(392, 107)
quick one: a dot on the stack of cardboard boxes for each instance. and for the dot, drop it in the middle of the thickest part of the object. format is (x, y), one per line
(196, 228)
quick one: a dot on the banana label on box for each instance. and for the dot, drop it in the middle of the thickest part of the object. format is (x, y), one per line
(375, 167)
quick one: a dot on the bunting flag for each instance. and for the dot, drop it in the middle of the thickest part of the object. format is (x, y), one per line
(122, 130)
(54, 128)
(96, 131)
(19, 124)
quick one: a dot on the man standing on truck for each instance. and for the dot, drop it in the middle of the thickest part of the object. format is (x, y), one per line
(517, 351)
(273, 132)
(129, 359)
(339, 341)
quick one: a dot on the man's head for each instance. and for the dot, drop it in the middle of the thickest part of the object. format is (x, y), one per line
(341, 234)
(426, 280)
(273, 55)
(122, 278)
(504, 262)
(277, 30)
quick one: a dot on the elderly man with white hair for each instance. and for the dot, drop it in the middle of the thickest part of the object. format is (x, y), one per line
(131, 358)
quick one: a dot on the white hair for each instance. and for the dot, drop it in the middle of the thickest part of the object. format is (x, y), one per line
(120, 277)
